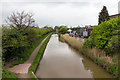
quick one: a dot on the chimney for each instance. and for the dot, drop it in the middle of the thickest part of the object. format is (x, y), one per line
(119, 7)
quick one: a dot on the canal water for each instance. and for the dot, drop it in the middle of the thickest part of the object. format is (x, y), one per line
(61, 61)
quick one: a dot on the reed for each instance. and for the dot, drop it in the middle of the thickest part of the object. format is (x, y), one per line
(110, 63)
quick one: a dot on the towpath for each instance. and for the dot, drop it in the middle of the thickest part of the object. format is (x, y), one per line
(22, 69)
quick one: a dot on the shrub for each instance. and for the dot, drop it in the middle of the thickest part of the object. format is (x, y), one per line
(103, 36)
(15, 42)
(88, 43)
(112, 46)
(63, 30)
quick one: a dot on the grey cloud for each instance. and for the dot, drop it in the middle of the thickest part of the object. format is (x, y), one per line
(119, 7)
(45, 0)
(54, 12)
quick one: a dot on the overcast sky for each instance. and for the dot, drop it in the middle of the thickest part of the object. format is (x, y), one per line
(59, 12)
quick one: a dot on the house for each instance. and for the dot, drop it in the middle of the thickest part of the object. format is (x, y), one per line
(83, 31)
(114, 16)
(85, 34)
(89, 29)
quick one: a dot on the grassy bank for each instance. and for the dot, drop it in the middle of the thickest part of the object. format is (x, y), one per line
(38, 58)
(109, 63)
(8, 75)
(28, 52)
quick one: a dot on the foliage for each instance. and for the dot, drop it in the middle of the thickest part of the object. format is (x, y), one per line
(60, 29)
(15, 43)
(76, 28)
(103, 15)
(103, 36)
(113, 69)
(63, 30)
(110, 63)
(28, 51)
(88, 44)
(8, 74)
(112, 46)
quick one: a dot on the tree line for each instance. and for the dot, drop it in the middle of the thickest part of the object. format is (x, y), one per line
(20, 34)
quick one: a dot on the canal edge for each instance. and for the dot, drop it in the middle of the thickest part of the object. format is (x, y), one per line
(32, 74)
(87, 56)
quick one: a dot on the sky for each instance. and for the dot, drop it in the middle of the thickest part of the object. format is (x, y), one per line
(59, 12)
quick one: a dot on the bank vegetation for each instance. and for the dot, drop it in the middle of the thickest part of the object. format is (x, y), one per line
(102, 46)
(20, 38)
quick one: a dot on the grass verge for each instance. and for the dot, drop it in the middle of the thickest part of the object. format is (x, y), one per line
(38, 58)
(8, 75)
(28, 52)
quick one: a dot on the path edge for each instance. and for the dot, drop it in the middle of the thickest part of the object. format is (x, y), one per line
(34, 71)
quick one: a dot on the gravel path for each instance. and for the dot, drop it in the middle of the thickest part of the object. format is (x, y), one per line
(22, 69)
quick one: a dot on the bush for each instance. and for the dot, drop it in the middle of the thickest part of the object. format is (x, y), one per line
(112, 46)
(88, 43)
(63, 30)
(103, 36)
(113, 69)
(15, 42)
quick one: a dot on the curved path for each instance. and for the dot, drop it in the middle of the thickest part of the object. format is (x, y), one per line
(22, 69)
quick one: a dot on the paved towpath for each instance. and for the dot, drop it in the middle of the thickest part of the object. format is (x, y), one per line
(22, 69)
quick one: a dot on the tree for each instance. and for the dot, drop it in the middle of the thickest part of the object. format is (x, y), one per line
(103, 15)
(20, 20)
(56, 28)
(105, 36)
(63, 30)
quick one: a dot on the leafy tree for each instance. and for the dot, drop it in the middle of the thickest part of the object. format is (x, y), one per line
(112, 46)
(12, 42)
(63, 30)
(103, 15)
(19, 36)
(76, 28)
(104, 36)
(56, 28)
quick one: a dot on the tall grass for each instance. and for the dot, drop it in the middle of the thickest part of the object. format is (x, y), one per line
(110, 63)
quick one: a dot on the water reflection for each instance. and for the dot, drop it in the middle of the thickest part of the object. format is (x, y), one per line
(96, 71)
(61, 61)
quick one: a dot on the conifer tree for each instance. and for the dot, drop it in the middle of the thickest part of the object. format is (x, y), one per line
(103, 15)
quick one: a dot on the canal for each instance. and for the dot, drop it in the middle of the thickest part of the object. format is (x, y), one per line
(61, 61)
